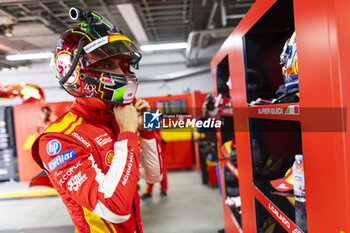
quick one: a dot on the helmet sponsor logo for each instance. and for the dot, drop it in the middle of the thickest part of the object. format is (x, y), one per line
(107, 81)
(109, 157)
(76, 181)
(95, 44)
(53, 147)
(63, 64)
(129, 93)
(59, 44)
(90, 89)
(61, 159)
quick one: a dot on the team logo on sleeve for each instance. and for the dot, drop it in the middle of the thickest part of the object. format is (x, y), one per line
(61, 159)
(53, 147)
(76, 181)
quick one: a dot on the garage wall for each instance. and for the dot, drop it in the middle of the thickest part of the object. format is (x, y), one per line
(37, 74)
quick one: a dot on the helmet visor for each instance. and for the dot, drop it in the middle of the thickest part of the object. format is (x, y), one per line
(112, 45)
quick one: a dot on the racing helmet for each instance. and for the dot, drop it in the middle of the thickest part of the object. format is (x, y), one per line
(289, 60)
(81, 47)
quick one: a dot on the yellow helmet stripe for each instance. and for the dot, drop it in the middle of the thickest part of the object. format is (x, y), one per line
(117, 37)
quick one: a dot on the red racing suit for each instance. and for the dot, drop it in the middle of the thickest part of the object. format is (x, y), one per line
(164, 182)
(95, 168)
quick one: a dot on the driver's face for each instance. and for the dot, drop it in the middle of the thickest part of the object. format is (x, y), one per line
(112, 64)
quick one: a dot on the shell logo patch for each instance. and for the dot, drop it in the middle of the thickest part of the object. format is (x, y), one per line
(109, 157)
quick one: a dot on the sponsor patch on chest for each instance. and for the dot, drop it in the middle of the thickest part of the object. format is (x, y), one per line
(103, 139)
(80, 138)
(109, 157)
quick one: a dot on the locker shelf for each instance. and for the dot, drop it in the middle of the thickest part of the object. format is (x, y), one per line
(286, 220)
(265, 221)
(232, 196)
(262, 46)
(231, 167)
(316, 125)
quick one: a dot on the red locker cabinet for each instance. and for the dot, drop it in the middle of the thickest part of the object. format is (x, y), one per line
(315, 126)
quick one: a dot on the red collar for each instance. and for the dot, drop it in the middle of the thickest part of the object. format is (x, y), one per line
(92, 114)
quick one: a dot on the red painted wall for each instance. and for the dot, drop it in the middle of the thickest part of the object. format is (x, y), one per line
(26, 118)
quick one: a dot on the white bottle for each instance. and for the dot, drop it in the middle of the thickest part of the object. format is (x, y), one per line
(298, 179)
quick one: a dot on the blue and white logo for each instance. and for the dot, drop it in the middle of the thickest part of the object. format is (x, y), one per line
(53, 147)
(151, 120)
(61, 159)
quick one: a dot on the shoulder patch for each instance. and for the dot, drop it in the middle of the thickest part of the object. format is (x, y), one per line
(61, 159)
(53, 147)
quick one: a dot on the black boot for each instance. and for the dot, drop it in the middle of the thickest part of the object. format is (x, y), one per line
(146, 196)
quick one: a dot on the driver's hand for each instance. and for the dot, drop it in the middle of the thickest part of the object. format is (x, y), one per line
(126, 117)
(141, 106)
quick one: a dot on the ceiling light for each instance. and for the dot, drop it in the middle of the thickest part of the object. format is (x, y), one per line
(132, 20)
(156, 47)
(29, 56)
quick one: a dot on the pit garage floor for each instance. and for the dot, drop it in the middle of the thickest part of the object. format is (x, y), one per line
(190, 207)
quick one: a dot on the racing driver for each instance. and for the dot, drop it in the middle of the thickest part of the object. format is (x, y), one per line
(92, 152)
